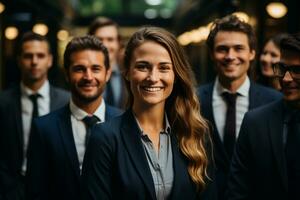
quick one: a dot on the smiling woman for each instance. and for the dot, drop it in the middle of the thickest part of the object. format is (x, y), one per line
(155, 150)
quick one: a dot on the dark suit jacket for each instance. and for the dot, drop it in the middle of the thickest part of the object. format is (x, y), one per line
(110, 98)
(115, 165)
(259, 96)
(258, 168)
(11, 137)
(53, 167)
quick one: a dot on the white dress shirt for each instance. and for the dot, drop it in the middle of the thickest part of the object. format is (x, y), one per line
(27, 108)
(220, 106)
(79, 129)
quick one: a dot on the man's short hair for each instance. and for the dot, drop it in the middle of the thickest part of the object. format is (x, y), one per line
(88, 42)
(31, 36)
(100, 22)
(231, 23)
(291, 43)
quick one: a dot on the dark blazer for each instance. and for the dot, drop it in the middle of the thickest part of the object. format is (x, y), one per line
(11, 137)
(258, 169)
(109, 96)
(53, 167)
(115, 165)
(259, 95)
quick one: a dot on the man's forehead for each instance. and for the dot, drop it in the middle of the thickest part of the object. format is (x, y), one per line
(290, 57)
(231, 38)
(107, 31)
(35, 45)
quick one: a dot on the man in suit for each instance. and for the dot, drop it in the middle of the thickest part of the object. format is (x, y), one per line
(225, 101)
(59, 139)
(18, 106)
(266, 163)
(107, 31)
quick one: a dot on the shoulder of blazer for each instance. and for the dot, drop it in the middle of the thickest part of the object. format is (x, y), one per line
(264, 92)
(204, 89)
(50, 118)
(6, 96)
(58, 97)
(265, 111)
(112, 112)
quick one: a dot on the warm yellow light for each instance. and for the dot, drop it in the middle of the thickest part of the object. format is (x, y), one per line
(62, 35)
(184, 39)
(276, 9)
(11, 32)
(40, 28)
(195, 35)
(2, 7)
(242, 16)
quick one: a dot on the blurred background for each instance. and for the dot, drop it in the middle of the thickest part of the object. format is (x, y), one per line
(189, 20)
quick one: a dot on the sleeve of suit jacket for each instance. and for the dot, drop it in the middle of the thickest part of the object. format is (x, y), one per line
(36, 174)
(96, 179)
(239, 184)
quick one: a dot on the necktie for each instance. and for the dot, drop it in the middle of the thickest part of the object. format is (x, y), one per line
(35, 111)
(89, 122)
(292, 156)
(229, 130)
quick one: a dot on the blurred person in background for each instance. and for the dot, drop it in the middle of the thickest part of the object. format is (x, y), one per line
(33, 97)
(270, 55)
(107, 31)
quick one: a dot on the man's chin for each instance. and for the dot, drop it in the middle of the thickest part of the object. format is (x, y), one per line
(291, 97)
(88, 98)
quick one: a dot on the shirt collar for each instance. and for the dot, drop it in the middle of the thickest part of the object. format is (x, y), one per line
(243, 90)
(166, 129)
(44, 91)
(79, 114)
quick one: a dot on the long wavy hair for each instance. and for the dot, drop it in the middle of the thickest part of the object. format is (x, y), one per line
(182, 106)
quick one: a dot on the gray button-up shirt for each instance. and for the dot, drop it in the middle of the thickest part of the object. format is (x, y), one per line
(161, 164)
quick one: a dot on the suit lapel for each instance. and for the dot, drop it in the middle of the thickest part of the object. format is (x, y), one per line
(132, 139)
(53, 99)
(68, 139)
(181, 175)
(18, 118)
(275, 124)
(207, 99)
(253, 96)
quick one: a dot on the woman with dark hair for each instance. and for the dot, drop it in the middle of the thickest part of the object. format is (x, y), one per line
(155, 150)
(270, 55)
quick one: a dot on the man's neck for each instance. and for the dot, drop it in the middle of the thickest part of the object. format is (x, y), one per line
(34, 85)
(232, 85)
(113, 65)
(90, 107)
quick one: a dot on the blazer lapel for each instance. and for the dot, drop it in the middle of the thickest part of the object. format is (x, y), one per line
(18, 118)
(221, 155)
(68, 139)
(275, 124)
(52, 99)
(254, 99)
(181, 176)
(132, 139)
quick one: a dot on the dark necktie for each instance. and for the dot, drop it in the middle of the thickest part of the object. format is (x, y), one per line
(229, 130)
(89, 122)
(35, 111)
(292, 156)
